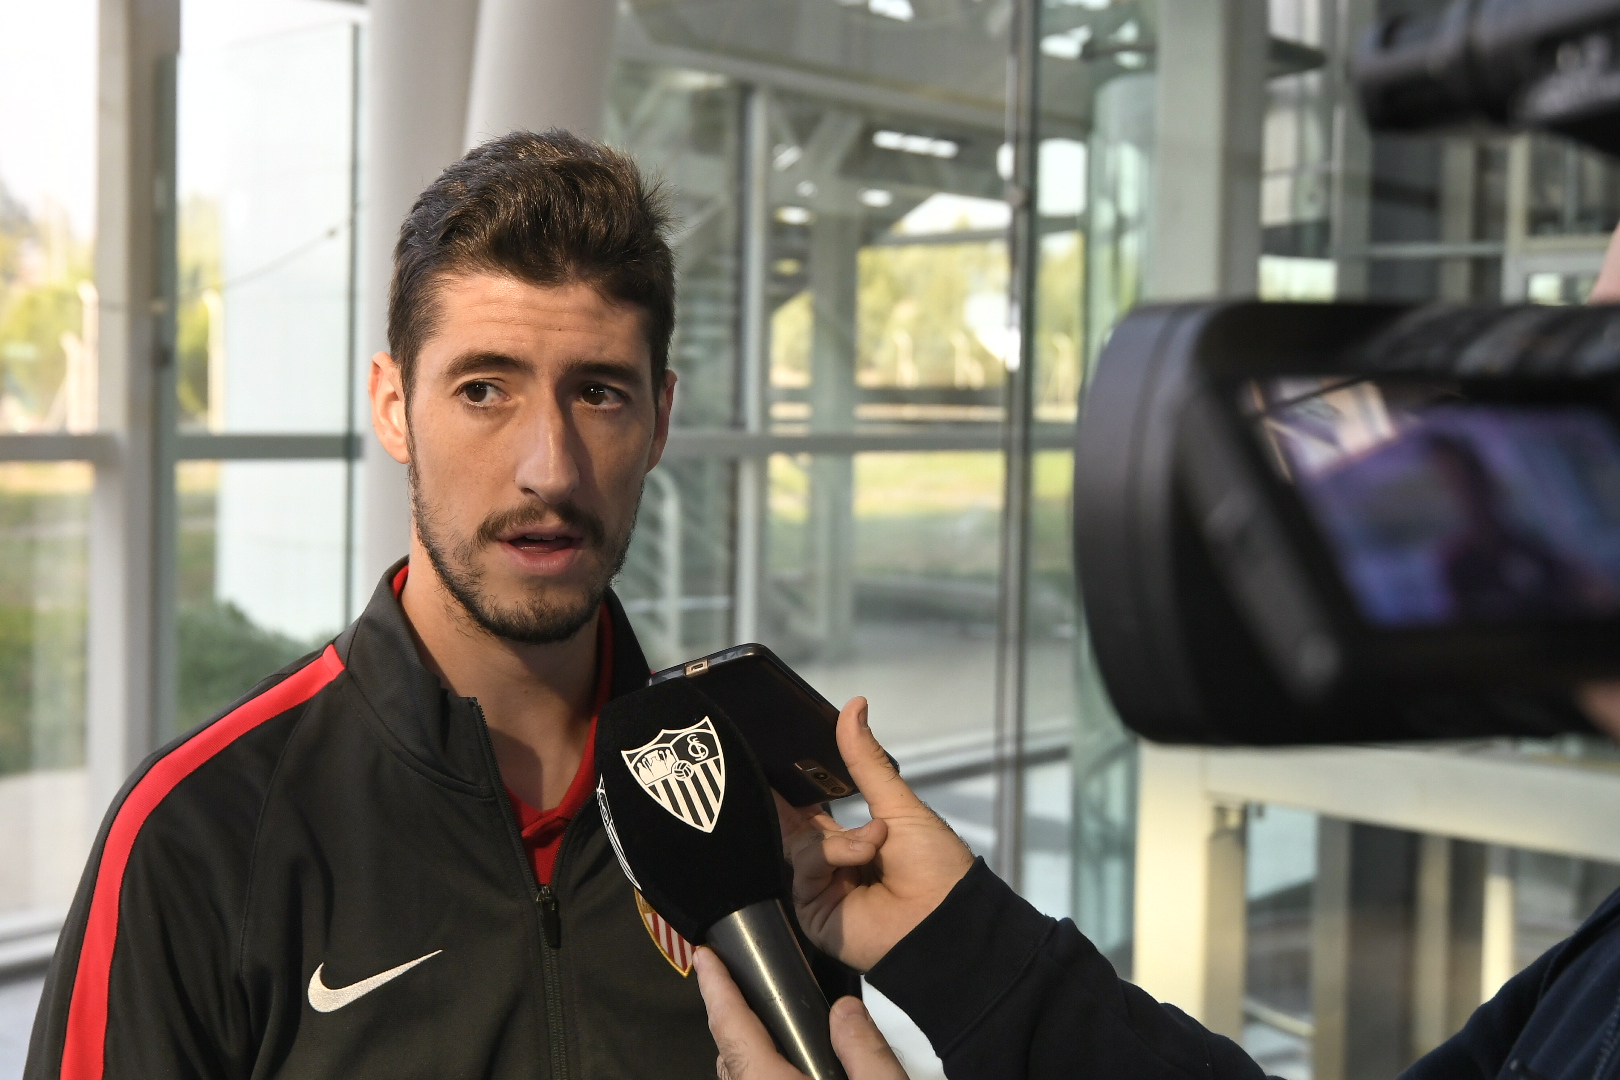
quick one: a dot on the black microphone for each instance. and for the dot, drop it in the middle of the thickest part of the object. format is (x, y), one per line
(691, 818)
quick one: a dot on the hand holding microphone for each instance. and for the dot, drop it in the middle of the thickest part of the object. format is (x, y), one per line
(746, 1052)
(857, 893)
(690, 816)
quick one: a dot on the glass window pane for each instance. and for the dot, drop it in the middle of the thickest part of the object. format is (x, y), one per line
(1572, 190)
(684, 127)
(44, 515)
(887, 282)
(676, 584)
(262, 573)
(47, 216)
(1280, 885)
(881, 581)
(266, 187)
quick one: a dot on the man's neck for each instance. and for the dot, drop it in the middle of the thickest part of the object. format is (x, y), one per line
(537, 699)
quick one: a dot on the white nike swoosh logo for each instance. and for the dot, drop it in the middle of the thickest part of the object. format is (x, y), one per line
(325, 999)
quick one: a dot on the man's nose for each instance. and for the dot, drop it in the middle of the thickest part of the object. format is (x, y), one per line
(548, 465)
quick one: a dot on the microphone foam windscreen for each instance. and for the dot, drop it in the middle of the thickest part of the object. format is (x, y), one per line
(687, 807)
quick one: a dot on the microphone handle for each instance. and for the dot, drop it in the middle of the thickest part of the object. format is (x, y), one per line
(765, 960)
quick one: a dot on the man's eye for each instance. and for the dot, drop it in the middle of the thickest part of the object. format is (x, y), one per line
(596, 394)
(478, 393)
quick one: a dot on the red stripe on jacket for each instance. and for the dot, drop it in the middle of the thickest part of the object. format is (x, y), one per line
(84, 1053)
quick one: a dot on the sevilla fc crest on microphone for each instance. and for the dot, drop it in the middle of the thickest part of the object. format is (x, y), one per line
(684, 771)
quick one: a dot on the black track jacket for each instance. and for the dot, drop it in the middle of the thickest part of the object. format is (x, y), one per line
(327, 881)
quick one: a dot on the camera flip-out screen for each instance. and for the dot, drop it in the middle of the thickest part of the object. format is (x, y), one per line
(1326, 523)
(1439, 510)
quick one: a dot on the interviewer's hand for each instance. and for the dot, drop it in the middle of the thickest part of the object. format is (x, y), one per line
(859, 891)
(1607, 288)
(746, 1050)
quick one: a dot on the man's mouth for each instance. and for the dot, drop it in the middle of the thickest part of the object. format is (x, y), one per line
(545, 542)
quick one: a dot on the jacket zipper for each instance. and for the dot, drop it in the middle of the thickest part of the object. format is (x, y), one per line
(548, 914)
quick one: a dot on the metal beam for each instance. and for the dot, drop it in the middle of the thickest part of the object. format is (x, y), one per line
(98, 449)
(632, 43)
(1494, 797)
(1424, 249)
(269, 447)
(684, 444)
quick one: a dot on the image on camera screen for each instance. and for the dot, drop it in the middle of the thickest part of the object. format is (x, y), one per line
(1443, 511)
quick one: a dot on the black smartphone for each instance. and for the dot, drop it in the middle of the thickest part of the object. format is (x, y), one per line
(788, 725)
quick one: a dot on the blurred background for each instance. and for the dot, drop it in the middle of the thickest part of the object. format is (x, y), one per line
(906, 229)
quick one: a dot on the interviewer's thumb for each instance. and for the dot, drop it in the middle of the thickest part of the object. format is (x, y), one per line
(876, 776)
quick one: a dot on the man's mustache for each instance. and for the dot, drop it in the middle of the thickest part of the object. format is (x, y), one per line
(540, 518)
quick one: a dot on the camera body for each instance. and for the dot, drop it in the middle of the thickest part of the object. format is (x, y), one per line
(1318, 523)
(1552, 65)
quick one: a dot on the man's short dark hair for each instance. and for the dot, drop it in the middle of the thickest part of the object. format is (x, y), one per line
(548, 209)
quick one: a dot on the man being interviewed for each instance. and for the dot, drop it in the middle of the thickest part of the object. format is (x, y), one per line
(384, 861)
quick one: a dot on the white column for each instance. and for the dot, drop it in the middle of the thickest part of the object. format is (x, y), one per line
(1205, 224)
(540, 64)
(1190, 904)
(418, 62)
(1431, 946)
(136, 38)
(1496, 962)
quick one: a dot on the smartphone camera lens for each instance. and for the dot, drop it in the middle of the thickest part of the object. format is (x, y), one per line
(819, 775)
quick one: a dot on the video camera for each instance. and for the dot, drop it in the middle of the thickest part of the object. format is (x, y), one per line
(1327, 523)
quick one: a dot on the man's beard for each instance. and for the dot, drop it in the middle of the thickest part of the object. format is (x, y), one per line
(534, 620)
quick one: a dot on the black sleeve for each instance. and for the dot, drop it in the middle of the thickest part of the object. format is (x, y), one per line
(1481, 1048)
(1004, 991)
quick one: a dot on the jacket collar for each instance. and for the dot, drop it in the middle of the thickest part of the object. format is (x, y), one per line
(435, 727)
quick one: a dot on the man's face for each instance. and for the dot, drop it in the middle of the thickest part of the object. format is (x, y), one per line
(532, 423)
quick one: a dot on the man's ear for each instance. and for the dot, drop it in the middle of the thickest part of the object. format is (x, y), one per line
(665, 402)
(387, 389)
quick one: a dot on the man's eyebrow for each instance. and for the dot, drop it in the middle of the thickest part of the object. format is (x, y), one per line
(474, 363)
(480, 363)
(607, 369)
